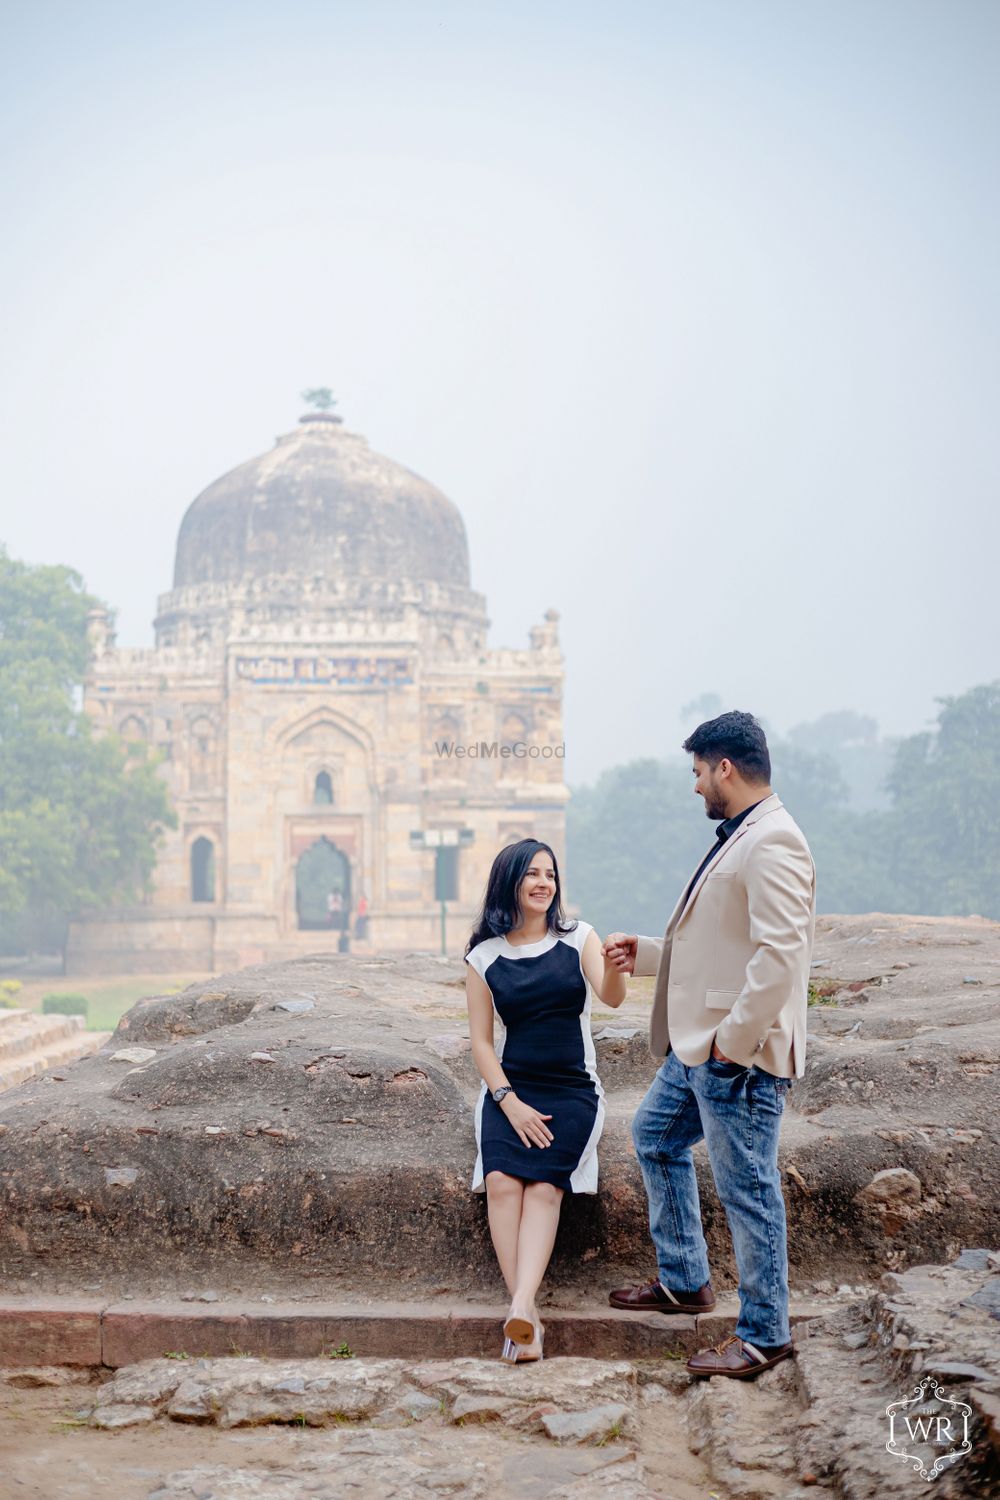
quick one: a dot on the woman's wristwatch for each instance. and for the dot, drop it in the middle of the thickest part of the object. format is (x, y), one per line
(499, 1094)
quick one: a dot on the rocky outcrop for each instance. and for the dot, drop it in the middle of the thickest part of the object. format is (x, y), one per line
(311, 1123)
(923, 1348)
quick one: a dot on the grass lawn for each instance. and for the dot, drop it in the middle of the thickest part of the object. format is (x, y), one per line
(107, 998)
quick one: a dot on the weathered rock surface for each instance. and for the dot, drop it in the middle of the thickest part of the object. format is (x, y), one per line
(819, 1421)
(331, 1144)
(243, 1392)
(901, 1078)
(413, 1466)
(498, 1410)
(921, 1324)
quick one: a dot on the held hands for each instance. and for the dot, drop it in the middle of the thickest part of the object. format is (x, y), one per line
(529, 1124)
(619, 950)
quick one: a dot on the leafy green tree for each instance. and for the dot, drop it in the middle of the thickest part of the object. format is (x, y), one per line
(863, 759)
(80, 814)
(944, 828)
(632, 839)
(848, 847)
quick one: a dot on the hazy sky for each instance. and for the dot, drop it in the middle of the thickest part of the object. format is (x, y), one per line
(692, 309)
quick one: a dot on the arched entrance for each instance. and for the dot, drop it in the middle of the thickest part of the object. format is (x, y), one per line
(203, 870)
(323, 887)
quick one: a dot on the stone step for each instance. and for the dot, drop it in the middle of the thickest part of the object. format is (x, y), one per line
(73, 1331)
(33, 1032)
(51, 1053)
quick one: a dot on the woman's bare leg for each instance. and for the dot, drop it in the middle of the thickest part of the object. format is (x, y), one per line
(504, 1198)
(536, 1236)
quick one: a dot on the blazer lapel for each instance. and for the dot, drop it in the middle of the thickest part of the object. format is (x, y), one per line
(683, 907)
(675, 914)
(712, 864)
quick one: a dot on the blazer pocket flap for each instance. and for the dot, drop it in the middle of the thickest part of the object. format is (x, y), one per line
(721, 999)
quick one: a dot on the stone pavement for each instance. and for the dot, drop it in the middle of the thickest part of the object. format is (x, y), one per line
(576, 1428)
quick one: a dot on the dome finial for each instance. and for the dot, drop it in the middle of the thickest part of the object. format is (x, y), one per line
(323, 399)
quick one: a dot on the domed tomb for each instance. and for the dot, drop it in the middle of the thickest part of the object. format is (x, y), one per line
(321, 503)
(319, 656)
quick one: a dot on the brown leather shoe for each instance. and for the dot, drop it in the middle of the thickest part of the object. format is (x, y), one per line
(651, 1297)
(736, 1357)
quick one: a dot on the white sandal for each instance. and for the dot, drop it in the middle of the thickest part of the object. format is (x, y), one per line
(513, 1351)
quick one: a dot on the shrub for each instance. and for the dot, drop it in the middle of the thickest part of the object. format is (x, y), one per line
(64, 1005)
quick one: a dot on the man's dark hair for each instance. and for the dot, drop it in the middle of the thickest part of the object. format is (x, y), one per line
(734, 736)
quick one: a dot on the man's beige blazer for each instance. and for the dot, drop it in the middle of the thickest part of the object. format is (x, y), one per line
(733, 964)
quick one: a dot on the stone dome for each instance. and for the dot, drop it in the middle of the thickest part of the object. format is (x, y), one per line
(321, 503)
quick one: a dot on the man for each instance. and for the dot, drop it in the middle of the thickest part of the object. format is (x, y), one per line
(729, 1018)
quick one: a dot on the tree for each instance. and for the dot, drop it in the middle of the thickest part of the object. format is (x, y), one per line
(700, 709)
(852, 741)
(80, 815)
(944, 828)
(849, 849)
(841, 729)
(635, 837)
(632, 839)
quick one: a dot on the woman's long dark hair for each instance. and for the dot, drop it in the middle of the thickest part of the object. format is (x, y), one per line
(500, 911)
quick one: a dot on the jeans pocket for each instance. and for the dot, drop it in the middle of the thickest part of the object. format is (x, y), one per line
(725, 1069)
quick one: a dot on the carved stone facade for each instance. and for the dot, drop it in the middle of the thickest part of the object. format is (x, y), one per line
(320, 691)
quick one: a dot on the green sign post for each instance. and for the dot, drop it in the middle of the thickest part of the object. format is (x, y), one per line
(446, 843)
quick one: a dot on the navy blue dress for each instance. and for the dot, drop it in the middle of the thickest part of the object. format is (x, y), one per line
(541, 1000)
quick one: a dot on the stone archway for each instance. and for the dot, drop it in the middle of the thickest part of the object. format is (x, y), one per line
(202, 870)
(323, 871)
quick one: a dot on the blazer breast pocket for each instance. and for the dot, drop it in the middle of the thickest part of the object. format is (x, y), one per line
(721, 999)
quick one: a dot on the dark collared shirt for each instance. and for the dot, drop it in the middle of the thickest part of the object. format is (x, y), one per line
(722, 833)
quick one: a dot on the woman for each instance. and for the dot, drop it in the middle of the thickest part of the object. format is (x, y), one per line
(541, 1110)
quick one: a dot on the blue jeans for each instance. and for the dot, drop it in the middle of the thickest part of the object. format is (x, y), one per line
(738, 1112)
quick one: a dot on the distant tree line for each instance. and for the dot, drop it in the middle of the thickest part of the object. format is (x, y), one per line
(80, 813)
(911, 825)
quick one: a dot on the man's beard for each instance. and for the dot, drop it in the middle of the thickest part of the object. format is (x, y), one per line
(715, 808)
